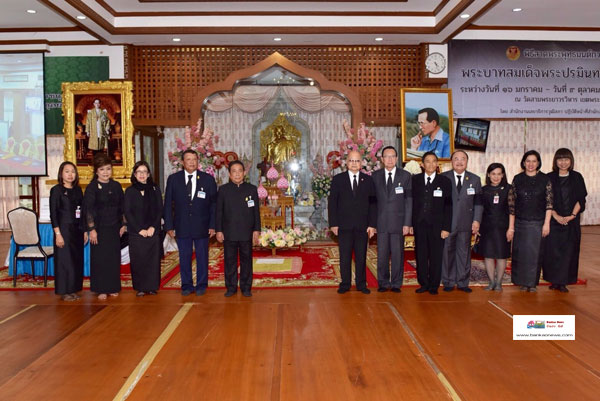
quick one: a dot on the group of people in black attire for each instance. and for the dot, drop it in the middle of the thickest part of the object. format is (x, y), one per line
(192, 211)
(536, 220)
(539, 213)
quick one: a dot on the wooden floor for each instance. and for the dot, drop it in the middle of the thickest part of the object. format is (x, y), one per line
(300, 344)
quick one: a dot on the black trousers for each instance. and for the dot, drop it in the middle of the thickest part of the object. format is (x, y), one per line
(429, 251)
(231, 250)
(348, 241)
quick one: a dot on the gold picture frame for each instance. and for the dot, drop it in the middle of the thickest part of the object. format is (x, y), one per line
(426, 124)
(116, 99)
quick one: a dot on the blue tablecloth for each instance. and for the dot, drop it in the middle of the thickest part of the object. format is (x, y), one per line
(46, 239)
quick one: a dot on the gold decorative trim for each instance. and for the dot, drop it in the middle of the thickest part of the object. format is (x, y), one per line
(122, 88)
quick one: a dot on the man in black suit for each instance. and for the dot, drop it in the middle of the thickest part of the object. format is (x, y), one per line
(190, 203)
(393, 187)
(238, 226)
(432, 220)
(352, 217)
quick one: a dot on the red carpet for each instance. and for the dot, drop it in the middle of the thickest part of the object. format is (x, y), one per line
(319, 268)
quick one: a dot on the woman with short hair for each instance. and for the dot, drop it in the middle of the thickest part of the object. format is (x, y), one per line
(103, 205)
(530, 206)
(494, 245)
(143, 211)
(561, 255)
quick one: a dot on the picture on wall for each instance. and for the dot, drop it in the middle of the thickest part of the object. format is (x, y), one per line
(98, 119)
(472, 133)
(426, 123)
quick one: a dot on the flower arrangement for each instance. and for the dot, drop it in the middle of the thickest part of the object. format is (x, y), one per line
(365, 143)
(321, 185)
(413, 167)
(284, 237)
(203, 143)
(321, 180)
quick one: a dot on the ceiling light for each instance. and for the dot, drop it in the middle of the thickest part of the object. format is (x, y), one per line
(516, 10)
(465, 16)
(176, 39)
(277, 39)
(378, 39)
(31, 11)
(81, 17)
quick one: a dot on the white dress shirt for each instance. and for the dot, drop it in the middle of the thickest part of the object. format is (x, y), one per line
(432, 177)
(194, 179)
(351, 175)
(387, 174)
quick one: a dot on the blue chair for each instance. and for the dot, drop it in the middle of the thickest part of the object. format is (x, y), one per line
(25, 231)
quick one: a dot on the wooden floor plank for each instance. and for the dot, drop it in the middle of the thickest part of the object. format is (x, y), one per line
(6, 311)
(95, 360)
(352, 351)
(472, 344)
(221, 351)
(26, 337)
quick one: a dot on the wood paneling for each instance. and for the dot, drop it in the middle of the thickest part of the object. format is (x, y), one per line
(166, 79)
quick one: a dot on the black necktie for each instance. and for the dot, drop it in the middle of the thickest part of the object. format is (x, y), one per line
(189, 185)
(458, 184)
(428, 182)
(354, 185)
(390, 184)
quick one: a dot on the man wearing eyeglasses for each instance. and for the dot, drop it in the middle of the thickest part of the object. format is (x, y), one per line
(431, 137)
(352, 208)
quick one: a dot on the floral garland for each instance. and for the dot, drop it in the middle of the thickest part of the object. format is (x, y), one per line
(203, 143)
(366, 144)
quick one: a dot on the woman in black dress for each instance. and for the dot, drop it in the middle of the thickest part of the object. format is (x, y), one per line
(494, 245)
(143, 211)
(561, 254)
(103, 205)
(530, 206)
(66, 201)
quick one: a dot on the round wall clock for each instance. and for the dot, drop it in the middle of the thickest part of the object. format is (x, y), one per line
(435, 63)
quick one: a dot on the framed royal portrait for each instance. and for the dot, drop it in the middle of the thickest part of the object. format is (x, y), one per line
(426, 123)
(98, 119)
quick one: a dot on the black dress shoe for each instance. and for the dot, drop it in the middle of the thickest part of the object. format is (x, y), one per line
(342, 290)
(229, 293)
(421, 290)
(382, 289)
(200, 291)
(563, 288)
(433, 292)
(448, 289)
(554, 287)
(247, 293)
(365, 291)
(465, 289)
(185, 293)
(396, 290)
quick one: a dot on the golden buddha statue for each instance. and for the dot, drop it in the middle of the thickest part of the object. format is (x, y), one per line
(280, 141)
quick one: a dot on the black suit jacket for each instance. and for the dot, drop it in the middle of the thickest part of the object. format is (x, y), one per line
(190, 219)
(235, 218)
(347, 211)
(394, 210)
(440, 213)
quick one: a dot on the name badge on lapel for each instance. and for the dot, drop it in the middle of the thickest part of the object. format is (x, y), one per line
(250, 201)
(399, 190)
(437, 193)
(78, 212)
(471, 191)
(201, 194)
(496, 199)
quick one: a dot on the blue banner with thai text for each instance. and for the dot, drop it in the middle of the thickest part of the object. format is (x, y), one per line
(524, 79)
